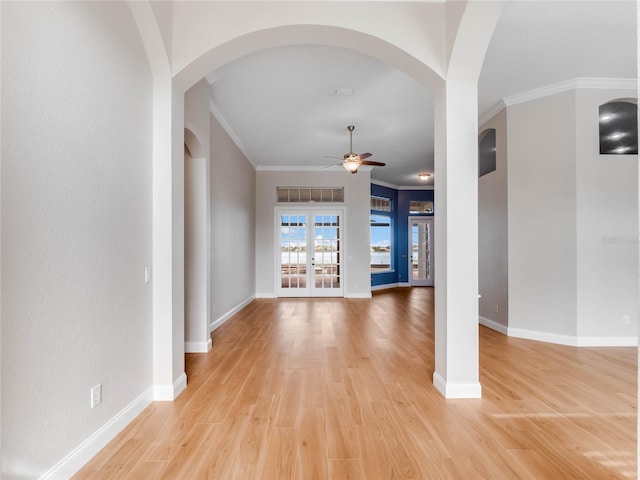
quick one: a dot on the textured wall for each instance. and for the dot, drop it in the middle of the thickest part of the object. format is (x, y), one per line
(542, 215)
(76, 225)
(492, 230)
(233, 204)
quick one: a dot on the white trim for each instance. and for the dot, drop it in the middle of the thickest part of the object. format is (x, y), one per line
(266, 295)
(400, 187)
(607, 341)
(168, 393)
(79, 456)
(416, 187)
(457, 390)
(197, 347)
(548, 337)
(553, 89)
(358, 295)
(213, 109)
(221, 320)
(384, 286)
(384, 184)
(492, 112)
(572, 340)
(303, 168)
(493, 325)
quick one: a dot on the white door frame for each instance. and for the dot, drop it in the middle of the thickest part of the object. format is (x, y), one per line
(430, 279)
(310, 290)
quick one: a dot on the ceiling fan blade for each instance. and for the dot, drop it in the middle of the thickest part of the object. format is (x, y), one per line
(331, 156)
(374, 164)
(365, 155)
(331, 166)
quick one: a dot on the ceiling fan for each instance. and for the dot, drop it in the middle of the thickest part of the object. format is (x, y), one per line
(352, 161)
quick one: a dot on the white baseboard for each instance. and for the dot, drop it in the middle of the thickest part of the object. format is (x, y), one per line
(78, 458)
(384, 286)
(168, 393)
(197, 347)
(358, 295)
(220, 321)
(493, 325)
(557, 338)
(266, 295)
(456, 390)
(607, 341)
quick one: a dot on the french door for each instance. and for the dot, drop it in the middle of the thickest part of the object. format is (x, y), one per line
(421, 251)
(309, 253)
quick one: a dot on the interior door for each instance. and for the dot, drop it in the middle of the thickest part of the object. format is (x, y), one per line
(421, 251)
(309, 257)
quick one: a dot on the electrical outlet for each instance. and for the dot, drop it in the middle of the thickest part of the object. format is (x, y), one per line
(625, 319)
(496, 307)
(96, 395)
(147, 274)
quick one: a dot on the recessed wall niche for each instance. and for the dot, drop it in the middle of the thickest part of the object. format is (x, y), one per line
(487, 152)
(618, 122)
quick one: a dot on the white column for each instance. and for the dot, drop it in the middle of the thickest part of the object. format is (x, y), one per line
(196, 249)
(456, 201)
(456, 241)
(169, 378)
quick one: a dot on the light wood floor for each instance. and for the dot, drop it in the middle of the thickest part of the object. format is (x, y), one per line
(342, 388)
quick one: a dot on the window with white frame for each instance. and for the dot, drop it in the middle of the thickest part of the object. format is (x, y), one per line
(381, 234)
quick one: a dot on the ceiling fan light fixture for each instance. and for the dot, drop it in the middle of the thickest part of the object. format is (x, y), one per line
(351, 166)
(424, 176)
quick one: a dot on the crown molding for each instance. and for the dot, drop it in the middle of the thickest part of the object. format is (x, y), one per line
(415, 187)
(384, 184)
(492, 112)
(213, 109)
(574, 84)
(297, 168)
(401, 187)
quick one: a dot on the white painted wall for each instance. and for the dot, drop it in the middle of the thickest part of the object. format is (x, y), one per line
(357, 192)
(492, 232)
(76, 226)
(233, 230)
(607, 228)
(542, 215)
(572, 233)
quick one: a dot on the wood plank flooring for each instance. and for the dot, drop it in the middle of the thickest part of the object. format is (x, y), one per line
(342, 389)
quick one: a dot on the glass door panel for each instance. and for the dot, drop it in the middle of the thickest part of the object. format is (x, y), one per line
(420, 246)
(293, 255)
(326, 261)
(309, 254)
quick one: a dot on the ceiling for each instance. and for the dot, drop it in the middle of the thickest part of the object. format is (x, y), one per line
(289, 107)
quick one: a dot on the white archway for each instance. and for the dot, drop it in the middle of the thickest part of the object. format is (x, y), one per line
(455, 49)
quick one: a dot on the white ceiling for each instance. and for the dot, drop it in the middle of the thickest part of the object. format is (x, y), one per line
(281, 108)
